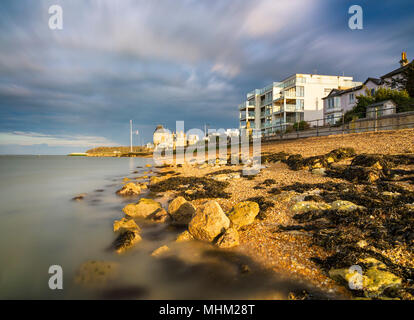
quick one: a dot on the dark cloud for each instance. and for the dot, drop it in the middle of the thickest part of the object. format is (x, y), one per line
(161, 61)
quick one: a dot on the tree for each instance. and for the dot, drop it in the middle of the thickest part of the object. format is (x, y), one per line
(406, 81)
(401, 98)
(409, 85)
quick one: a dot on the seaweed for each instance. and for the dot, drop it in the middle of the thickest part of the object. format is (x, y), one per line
(223, 171)
(275, 157)
(201, 187)
(264, 205)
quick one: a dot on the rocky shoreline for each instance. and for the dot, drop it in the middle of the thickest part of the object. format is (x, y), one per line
(312, 219)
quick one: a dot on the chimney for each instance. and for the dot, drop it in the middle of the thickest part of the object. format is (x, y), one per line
(403, 61)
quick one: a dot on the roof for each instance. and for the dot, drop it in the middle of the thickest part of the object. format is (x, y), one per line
(396, 71)
(339, 92)
(377, 81)
(381, 103)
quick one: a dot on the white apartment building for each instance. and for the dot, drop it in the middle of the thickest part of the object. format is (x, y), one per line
(340, 101)
(298, 97)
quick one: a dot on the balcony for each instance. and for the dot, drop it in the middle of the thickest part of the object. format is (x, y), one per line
(289, 108)
(248, 116)
(245, 105)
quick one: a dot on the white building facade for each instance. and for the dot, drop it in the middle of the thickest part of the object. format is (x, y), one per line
(297, 98)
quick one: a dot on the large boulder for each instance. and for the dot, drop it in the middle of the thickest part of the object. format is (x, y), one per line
(306, 206)
(125, 224)
(181, 211)
(373, 281)
(130, 189)
(342, 205)
(285, 196)
(244, 213)
(142, 209)
(208, 222)
(126, 240)
(228, 239)
(160, 216)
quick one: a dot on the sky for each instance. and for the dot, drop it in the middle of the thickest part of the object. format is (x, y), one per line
(159, 61)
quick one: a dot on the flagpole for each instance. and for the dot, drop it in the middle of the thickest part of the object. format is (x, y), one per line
(130, 127)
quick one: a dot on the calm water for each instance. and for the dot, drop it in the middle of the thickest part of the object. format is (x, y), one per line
(41, 226)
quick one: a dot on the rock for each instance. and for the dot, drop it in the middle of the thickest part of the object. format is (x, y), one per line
(410, 207)
(221, 177)
(319, 172)
(160, 251)
(234, 175)
(208, 222)
(251, 171)
(130, 189)
(155, 180)
(244, 213)
(295, 162)
(359, 174)
(229, 239)
(375, 161)
(391, 194)
(79, 197)
(160, 216)
(143, 186)
(306, 206)
(340, 154)
(184, 236)
(285, 196)
(375, 279)
(330, 160)
(126, 240)
(181, 210)
(96, 273)
(362, 243)
(125, 224)
(142, 209)
(342, 205)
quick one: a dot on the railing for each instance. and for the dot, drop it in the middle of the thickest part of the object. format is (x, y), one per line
(335, 124)
(289, 108)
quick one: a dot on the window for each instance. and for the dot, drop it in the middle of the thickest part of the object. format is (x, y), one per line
(300, 91)
(351, 97)
(299, 104)
(372, 91)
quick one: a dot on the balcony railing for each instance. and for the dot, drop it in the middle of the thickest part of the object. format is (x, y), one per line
(245, 105)
(249, 115)
(289, 108)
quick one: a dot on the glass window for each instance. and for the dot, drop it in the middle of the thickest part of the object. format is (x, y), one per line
(299, 104)
(300, 91)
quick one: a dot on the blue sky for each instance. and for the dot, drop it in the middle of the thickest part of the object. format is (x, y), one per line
(160, 61)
